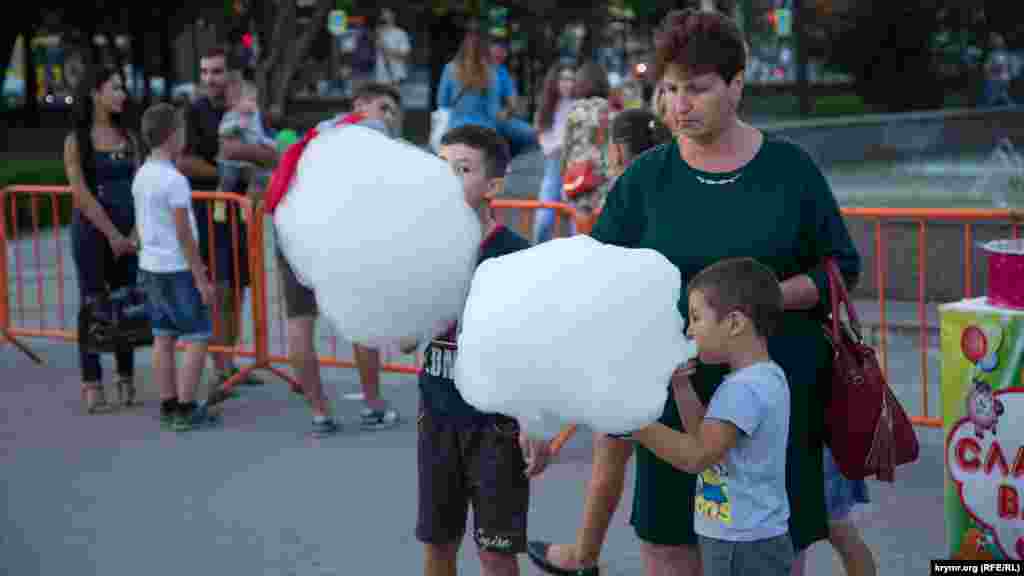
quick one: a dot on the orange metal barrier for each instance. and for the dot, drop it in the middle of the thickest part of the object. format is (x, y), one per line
(505, 209)
(34, 302)
(256, 348)
(43, 310)
(922, 217)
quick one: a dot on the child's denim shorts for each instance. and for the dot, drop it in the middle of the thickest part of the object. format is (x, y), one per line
(175, 306)
(842, 495)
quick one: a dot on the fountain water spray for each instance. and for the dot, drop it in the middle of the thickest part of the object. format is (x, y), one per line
(1003, 177)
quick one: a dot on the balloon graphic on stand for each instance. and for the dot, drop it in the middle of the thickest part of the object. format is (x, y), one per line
(993, 336)
(989, 362)
(974, 344)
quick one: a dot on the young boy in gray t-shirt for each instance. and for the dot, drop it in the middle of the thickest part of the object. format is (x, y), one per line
(738, 446)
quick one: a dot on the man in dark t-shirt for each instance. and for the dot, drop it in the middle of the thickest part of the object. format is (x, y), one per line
(228, 266)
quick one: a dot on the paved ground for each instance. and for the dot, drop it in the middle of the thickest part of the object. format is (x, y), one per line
(112, 494)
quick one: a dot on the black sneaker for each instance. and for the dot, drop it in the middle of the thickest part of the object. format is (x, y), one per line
(324, 428)
(168, 410)
(166, 417)
(198, 417)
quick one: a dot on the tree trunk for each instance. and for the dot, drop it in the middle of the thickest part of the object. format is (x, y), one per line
(140, 67)
(31, 116)
(283, 50)
(167, 61)
(595, 22)
(803, 89)
(8, 37)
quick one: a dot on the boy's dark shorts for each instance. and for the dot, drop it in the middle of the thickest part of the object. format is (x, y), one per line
(768, 557)
(479, 464)
(298, 300)
(175, 307)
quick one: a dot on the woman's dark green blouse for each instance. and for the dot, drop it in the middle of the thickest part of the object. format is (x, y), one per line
(779, 209)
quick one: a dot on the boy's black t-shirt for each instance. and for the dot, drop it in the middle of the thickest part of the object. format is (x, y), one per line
(438, 394)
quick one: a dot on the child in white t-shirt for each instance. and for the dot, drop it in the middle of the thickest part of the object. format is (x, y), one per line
(178, 289)
(737, 445)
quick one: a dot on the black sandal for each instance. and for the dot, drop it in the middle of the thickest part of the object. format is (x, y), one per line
(94, 398)
(126, 391)
(538, 553)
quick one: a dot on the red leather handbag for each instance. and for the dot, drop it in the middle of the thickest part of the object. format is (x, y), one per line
(866, 428)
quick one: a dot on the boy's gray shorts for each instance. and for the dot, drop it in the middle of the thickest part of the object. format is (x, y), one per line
(771, 557)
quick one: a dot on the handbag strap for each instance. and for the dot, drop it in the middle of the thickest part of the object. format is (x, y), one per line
(840, 297)
(459, 97)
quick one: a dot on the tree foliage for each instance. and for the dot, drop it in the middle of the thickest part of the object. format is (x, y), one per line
(908, 55)
(284, 46)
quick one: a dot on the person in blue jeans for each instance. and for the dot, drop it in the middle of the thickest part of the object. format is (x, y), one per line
(177, 284)
(469, 85)
(520, 136)
(100, 159)
(556, 101)
(842, 495)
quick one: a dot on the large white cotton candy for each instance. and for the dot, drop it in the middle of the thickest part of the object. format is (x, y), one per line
(381, 231)
(572, 331)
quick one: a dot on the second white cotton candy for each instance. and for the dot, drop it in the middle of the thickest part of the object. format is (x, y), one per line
(572, 331)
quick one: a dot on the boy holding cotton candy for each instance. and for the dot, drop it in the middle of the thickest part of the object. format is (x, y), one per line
(737, 444)
(467, 457)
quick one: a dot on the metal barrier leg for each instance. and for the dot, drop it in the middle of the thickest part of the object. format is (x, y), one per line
(5, 318)
(21, 346)
(258, 280)
(561, 439)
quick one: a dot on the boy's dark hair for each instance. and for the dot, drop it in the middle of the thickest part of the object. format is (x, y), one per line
(495, 149)
(592, 81)
(159, 122)
(699, 42)
(376, 90)
(742, 284)
(217, 51)
(638, 130)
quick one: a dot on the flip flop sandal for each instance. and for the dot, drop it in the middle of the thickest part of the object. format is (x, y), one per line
(538, 553)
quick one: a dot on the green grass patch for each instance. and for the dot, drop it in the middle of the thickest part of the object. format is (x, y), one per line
(787, 106)
(840, 105)
(37, 173)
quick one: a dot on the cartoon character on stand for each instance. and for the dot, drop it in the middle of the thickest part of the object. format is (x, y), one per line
(983, 408)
